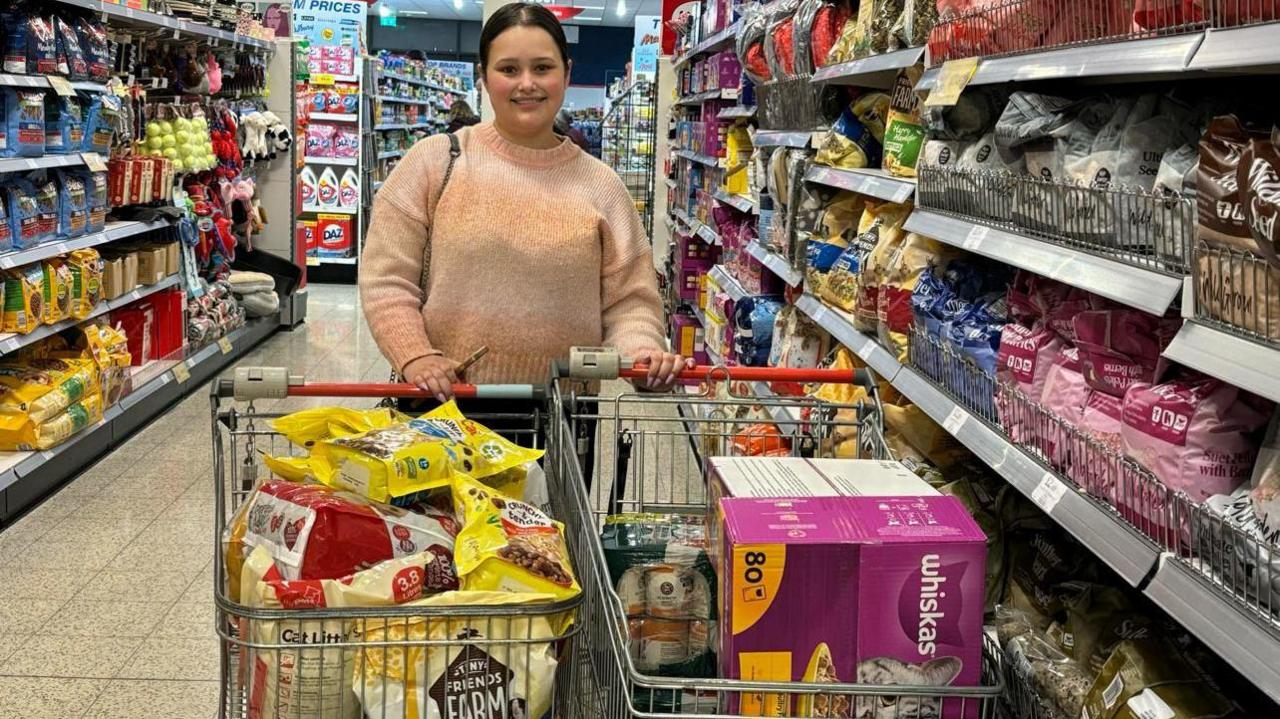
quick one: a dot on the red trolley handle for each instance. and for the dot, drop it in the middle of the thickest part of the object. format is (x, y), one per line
(409, 391)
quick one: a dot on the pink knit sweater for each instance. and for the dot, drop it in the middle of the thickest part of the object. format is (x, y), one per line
(533, 252)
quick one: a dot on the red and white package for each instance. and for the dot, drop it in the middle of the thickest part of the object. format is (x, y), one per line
(315, 532)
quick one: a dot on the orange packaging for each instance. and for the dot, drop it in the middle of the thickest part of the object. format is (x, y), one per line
(761, 440)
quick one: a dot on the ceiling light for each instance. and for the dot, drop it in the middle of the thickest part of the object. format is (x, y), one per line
(622, 8)
(457, 4)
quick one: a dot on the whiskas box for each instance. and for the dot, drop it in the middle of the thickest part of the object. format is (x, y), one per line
(800, 477)
(879, 590)
(333, 235)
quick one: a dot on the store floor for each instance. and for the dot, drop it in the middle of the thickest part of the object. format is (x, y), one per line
(106, 606)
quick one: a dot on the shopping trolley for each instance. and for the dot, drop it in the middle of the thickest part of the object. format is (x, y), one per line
(650, 458)
(342, 663)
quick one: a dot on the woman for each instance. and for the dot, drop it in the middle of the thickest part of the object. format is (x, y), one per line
(461, 115)
(531, 248)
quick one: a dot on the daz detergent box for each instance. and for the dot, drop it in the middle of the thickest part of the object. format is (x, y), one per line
(878, 590)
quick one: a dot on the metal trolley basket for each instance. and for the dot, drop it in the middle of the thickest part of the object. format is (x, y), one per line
(308, 663)
(650, 459)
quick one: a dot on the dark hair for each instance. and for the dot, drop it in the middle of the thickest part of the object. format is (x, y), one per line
(521, 14)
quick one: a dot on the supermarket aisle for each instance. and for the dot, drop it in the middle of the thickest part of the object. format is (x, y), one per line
(106, 606)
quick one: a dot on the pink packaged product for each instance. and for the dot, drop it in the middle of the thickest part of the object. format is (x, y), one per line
(1120, 347)
(691, 273)
(891, 589)
(1064, 395)
(725, 69)
(1032, 297)
(1025, 356)
(346, 142)
(319, 138)
(1100, 421)
(1196, 434)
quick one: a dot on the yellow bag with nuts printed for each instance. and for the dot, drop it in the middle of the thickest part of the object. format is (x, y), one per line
(398, 462)
(508, 545)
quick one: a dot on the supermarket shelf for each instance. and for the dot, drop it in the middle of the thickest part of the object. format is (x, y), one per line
(771, 138)
(390, 154)
(332, 210)
(878, 71)
(734, 113)
(1245, 641)
(334, 117)
(1117, 544)
(684, 219)
(25, 477)
(1252, 48)
(701, 159)
(420, 82)
(840, 325)
(114, 231)
(700, 315)
(775, 262)
(1146, 290)
(332, 260)
(873, 182)
(342, 78)
(707, 234)
(405, 126)
(714, 357)
(23, 164)
(10, 342)
(727, 283)
(332, 161)
(1117, 61)
(155, 20)
(738, 202)
(40, 81)
(403, 100)
(715, 42)
(1242, 362)
(720, 93)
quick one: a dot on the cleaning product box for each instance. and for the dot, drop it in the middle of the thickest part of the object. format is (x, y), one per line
(877, 590)
(333, 235)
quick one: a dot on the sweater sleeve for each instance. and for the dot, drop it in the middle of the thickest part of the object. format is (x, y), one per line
(391, 260)
(632, 313)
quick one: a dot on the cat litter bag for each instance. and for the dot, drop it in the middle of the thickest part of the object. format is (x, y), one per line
(24, 123)
(754, 317)
(64, 125)
(100, 122)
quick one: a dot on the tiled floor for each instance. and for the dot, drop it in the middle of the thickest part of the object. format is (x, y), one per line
(106, 604)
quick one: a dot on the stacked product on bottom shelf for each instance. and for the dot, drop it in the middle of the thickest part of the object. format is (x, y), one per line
(343, 527)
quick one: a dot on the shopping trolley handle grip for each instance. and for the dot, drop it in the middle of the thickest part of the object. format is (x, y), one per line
(597, 363)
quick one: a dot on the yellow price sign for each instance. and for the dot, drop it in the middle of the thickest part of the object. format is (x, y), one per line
(322, 79)
(313, 262)
(61, 86)
(952, 80)
(94, 161)
(181, 372)
(224, 344)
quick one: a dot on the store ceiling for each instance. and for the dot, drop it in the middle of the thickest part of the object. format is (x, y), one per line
(595, 12)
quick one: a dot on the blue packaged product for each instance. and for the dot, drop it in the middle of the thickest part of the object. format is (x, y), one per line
(73, 205)
(822, 255)
(24, 123)
(753, 319)
(15, 40)
(24, 215)
(46, 192)
(64, 125)
(100, 123)
(95, 184)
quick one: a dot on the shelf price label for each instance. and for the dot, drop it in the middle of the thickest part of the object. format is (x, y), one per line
(61, 86)
(1048, 492)
(181, 373)
(952, 80)
(94, 161)
(313, 262)
(976, 235)
(224, 344)
(322, 78)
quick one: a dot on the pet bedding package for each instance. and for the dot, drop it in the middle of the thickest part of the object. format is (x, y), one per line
(875, 590)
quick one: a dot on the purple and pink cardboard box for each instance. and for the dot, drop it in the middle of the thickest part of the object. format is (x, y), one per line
(851, 590)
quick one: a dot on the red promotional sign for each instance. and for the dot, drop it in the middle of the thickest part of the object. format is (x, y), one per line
(563, 12)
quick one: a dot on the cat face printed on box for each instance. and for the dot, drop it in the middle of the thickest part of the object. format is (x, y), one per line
(884, 590)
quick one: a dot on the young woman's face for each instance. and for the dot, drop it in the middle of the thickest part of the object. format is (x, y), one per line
(526, 80)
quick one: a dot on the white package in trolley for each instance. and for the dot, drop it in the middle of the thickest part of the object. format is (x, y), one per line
(291, 671)
(496, 667)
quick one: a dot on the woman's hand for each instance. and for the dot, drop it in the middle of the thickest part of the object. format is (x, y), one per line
(664, 369)
(435, 374)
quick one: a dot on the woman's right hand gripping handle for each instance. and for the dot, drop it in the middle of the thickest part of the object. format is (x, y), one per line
(433, 373)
